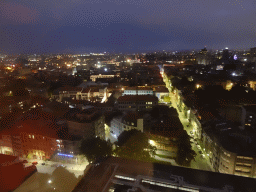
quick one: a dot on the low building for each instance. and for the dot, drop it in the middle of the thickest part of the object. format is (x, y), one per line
(126, 122)
(136, 102)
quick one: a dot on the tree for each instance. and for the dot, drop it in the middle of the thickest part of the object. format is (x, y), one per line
(94, 148)
(134, 144)
(155, 112)
(185, 153)
(167, 99)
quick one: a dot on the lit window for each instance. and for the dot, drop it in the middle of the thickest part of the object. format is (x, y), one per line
(250, 116)
(29, 136)
(33, 137)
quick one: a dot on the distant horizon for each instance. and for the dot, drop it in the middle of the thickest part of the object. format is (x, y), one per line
(124, 52)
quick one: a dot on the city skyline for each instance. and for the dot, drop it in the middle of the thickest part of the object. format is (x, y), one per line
(130, 26)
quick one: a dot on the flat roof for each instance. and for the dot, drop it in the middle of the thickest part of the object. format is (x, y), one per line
(104, 174)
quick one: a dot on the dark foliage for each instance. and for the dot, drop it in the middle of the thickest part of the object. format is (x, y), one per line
(95, 148)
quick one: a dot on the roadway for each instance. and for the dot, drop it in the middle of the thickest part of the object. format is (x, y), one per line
(201, 162)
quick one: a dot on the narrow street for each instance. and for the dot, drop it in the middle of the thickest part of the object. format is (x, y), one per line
(200, 162)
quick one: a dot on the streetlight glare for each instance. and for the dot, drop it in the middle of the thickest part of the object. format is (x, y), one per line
(151, 142)
(49, 181)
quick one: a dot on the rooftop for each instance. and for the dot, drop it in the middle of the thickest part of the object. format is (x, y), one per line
(126, 172)
(161, 89)
(139, 88)
(7, 158)
(137, 98)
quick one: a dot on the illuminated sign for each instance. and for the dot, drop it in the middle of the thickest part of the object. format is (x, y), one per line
(61, 154)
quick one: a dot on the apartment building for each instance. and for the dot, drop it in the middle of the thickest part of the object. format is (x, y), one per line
(29, 137)
(126, 122)
(136, 102)
(231, 150)
(86, 123)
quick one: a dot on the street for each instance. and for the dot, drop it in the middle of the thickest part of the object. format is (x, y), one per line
(200, 162)
(50, 166)
(41, 180)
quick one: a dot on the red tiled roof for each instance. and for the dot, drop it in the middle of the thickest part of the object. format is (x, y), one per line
(42, 124)
(139, 88)
(137, 98)
(7, 158)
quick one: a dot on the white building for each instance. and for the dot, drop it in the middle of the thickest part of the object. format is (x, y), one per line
(126, 122)
(138, 91)
(136, 102)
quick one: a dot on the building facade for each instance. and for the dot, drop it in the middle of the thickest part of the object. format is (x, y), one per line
(138, 91)
(126, 122)
(136, 102)
(87, 125)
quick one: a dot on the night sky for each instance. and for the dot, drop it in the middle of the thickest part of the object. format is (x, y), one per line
(79, 26)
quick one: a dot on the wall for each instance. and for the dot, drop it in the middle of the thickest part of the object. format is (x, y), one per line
(85, 130)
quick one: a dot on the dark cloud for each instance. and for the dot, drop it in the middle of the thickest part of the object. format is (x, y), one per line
(104, 25)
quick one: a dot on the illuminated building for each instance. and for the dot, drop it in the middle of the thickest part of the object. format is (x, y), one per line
(138, 91)
(126, 122)
(32, 136)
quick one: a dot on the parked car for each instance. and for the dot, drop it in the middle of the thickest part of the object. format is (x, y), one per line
(200, 152)
(43, 163)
